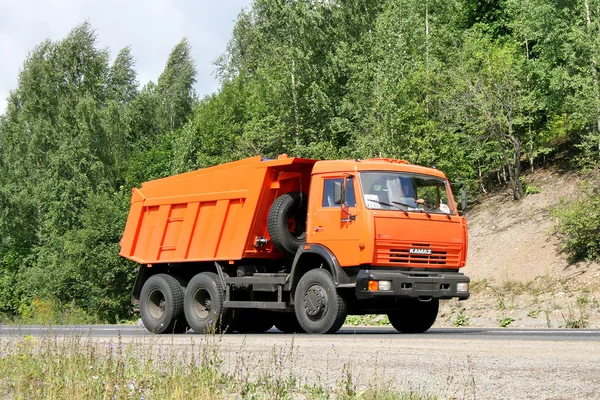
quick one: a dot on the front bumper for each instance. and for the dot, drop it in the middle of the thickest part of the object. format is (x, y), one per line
(408, 284)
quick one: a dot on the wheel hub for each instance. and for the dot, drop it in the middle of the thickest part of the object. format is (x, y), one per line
(156, 304)
(315, 300)
(292, 226)
(202, 303)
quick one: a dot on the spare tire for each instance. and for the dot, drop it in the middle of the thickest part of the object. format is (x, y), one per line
(287, 222)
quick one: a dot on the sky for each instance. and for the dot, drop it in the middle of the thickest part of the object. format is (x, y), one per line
(151, 27)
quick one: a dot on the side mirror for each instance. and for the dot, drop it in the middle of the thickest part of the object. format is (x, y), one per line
(339, 197)
(462, 207)
(338, 193)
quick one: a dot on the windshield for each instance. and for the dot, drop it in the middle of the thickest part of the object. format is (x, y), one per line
(405, 192)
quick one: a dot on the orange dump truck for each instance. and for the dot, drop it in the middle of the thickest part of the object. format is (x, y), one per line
(295, 243)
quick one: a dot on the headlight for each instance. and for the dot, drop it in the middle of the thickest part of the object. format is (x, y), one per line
(462, 287)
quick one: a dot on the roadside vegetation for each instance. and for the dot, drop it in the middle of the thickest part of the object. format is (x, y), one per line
(76, 367)
(546, 302)
(578, 222)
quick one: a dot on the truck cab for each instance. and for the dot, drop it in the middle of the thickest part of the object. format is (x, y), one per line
(393, 234)
(385, 214)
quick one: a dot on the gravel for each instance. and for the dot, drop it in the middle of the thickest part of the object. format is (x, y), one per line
(450, 367)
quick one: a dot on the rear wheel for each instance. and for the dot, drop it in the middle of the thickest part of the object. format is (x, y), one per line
(161, 304)
(415, 316)
(203, 303)
(319, 307)
(181, 325)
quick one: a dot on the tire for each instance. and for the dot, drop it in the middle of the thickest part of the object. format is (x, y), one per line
(286, 222)
(415, 316)
(181, 325)
(203, 303)
(318, 306)
(161, 304)
(288, 323)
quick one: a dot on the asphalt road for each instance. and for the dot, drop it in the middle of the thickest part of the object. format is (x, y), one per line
(462, 363)
(99, 331)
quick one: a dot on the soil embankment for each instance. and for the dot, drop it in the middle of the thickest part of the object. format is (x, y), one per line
(519, 277)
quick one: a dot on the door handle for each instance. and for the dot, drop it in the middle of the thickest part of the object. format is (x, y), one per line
(319, 229)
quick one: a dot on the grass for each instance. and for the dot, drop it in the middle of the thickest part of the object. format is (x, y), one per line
(461, 319)
(580, 319)
(505, 321)
(367, 320)
(533, 313)
(84, 368)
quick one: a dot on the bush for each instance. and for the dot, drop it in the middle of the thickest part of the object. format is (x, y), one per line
(44, 312)
(527, 188)
(531, 189)
(578, 224)
(82, 268)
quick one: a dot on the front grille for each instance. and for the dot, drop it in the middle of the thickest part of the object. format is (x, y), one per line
(398, 253)
(404, 256)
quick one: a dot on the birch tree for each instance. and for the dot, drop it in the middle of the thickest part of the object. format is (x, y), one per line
(492, 96)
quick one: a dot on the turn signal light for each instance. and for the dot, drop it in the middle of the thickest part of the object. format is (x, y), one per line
(380, 285)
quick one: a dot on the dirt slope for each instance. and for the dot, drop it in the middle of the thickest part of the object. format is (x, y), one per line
(519, 277)
(511, 241)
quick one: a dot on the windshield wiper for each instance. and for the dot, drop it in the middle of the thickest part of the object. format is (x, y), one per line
(383, 203)
(413, 208)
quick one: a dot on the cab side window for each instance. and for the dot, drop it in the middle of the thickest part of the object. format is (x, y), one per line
(328, 189)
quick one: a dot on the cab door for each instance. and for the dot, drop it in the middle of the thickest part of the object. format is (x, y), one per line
(333, 226)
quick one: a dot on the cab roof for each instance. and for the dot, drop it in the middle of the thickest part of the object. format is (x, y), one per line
(373, 164)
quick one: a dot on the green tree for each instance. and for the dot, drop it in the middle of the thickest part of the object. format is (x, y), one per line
(121, 82)
(398, 90)
(61, 140)
(295, 59)
(491, 99)
(561, 43)
(214, 133)
(175, 89)
(157, 116)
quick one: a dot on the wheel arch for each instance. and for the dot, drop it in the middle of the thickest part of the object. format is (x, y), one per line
(183, 272)
(318, 256)
(141, 277)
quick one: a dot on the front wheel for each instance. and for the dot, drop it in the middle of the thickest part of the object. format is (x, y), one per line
(414, 316)
(319, 307)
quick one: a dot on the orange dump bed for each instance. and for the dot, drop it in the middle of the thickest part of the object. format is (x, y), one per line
(211, 214)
